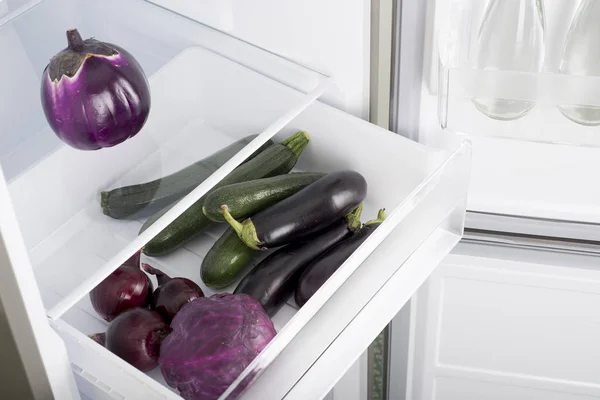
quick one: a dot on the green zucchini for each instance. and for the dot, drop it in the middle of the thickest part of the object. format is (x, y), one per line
(146, 198)
(277, 159)
(246, 198)
(225, 260)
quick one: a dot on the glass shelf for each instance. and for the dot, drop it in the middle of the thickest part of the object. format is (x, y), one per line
(460, 82)
(208, 90)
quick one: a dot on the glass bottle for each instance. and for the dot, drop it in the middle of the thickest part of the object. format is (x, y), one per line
(581, 57)
(511, 38)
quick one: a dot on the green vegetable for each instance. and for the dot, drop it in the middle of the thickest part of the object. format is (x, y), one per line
(277, 159)
(246, 198)
(225, 260)
(146, 198)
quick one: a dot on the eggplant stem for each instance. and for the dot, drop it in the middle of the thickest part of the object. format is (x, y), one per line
(237, 226)
(380, 218)
(353, 218)
(297, 142)
(74, 39)
(246, 230)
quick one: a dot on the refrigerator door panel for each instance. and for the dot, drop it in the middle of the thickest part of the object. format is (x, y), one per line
(515, 319)
(502, 322)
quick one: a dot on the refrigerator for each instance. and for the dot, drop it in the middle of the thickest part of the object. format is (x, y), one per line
(480, 281)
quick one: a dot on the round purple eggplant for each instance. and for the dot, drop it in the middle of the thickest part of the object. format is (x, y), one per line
(315, 275)
(94, 94)
(274, 279)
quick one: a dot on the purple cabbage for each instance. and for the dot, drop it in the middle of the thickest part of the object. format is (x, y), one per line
(213, 340)
(94, 94)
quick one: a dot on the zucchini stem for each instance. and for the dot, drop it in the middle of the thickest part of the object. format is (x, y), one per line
(380, 218)
(245, 230)
(353, 218)
(104, 202)
(297, 142)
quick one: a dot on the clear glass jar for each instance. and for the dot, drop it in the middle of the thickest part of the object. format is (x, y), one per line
(511, 38)
(581, 57)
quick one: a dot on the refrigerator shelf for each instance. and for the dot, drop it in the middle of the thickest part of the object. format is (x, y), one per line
(208, 90)
(544, 123)
(460, 81)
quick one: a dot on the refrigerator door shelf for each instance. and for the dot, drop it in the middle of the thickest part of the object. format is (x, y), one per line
(518, 168)
(460, 81)
(424, 192)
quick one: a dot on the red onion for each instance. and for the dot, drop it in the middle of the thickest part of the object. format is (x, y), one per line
(171, 293)
(126, 288)
(136, 335)
(94, 94)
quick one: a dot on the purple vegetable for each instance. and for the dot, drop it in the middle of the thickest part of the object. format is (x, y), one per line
(212, 342)
(94, 94)
(171, 293)
(321, 269)
(126, 288)
(136, 336)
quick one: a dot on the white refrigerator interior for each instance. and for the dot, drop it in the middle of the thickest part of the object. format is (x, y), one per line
(210, 89)
(511, 313)
(331, 36)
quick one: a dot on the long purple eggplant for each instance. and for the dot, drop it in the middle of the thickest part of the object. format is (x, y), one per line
(274, 279)
(304, 213)
(322, 268)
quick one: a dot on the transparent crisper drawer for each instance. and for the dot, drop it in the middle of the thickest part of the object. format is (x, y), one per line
(463, 77)
(207, 91)
(424, 193)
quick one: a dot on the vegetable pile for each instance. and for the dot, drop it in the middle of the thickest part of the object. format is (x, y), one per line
(310, 221)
